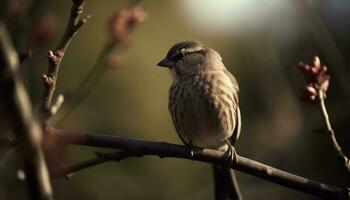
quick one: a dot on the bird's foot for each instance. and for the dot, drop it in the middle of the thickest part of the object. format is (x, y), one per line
(231, 154)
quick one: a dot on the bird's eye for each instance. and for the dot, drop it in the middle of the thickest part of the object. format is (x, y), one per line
(177, 56)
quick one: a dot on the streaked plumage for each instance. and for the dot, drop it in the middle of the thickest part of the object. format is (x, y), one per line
(203, 101)
(203, 107)
(203, 97)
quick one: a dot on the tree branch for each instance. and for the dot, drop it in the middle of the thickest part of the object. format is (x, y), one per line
(55, 58)
(68, 170)
(331, 132)
(162, 149)
(85, 87)
(27, 131)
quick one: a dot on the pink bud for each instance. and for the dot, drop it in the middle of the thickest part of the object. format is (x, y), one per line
(324, 68)
(314, 70)
(137, 15)
(310, 89)
(317, 62)
(117, 26)
(123, 21)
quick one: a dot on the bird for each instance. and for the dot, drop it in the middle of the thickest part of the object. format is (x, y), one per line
(204, 106)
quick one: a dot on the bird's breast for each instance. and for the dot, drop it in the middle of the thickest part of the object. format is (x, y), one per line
(203, 109)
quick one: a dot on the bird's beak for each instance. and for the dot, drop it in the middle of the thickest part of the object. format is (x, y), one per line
(166, 63)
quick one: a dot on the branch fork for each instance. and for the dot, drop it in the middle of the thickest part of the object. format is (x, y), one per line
(55, 57)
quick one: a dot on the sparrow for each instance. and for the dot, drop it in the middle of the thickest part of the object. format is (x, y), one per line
(204, 106)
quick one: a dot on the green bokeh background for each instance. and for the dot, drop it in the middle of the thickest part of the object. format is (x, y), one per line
(132, 99)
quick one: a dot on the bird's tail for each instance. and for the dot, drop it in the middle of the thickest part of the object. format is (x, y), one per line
(225, 183)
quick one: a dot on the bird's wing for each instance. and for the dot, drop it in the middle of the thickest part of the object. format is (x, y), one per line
(239, 124)
(233, 79)
(237, 130)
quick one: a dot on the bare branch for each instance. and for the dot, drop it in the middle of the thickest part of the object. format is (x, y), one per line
(331, 132)
(120, 25)
(85, 87)
(68, 170)
(55, 107)
(27, 131)
(55, 58)
(137, 148)
(162, 149)
(317, 84)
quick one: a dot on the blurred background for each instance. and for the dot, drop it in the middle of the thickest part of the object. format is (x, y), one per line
(260, 42)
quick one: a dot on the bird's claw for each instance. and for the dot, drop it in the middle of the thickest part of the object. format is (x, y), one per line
(231, 155)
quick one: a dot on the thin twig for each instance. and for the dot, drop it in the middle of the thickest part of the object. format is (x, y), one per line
(162, 149)
(68, 170)
(86, 85)
(27, 130)
(56, 106)
(331, 132)
(120, 25)
(55, 58)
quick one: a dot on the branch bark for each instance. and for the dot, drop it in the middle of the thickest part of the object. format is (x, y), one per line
(68, 170)
(27, 131)
(55, 57)
(138, 148)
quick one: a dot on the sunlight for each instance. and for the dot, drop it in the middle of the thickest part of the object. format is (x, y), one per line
(227, 16)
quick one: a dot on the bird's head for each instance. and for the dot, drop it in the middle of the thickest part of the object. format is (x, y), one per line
(189, 57)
